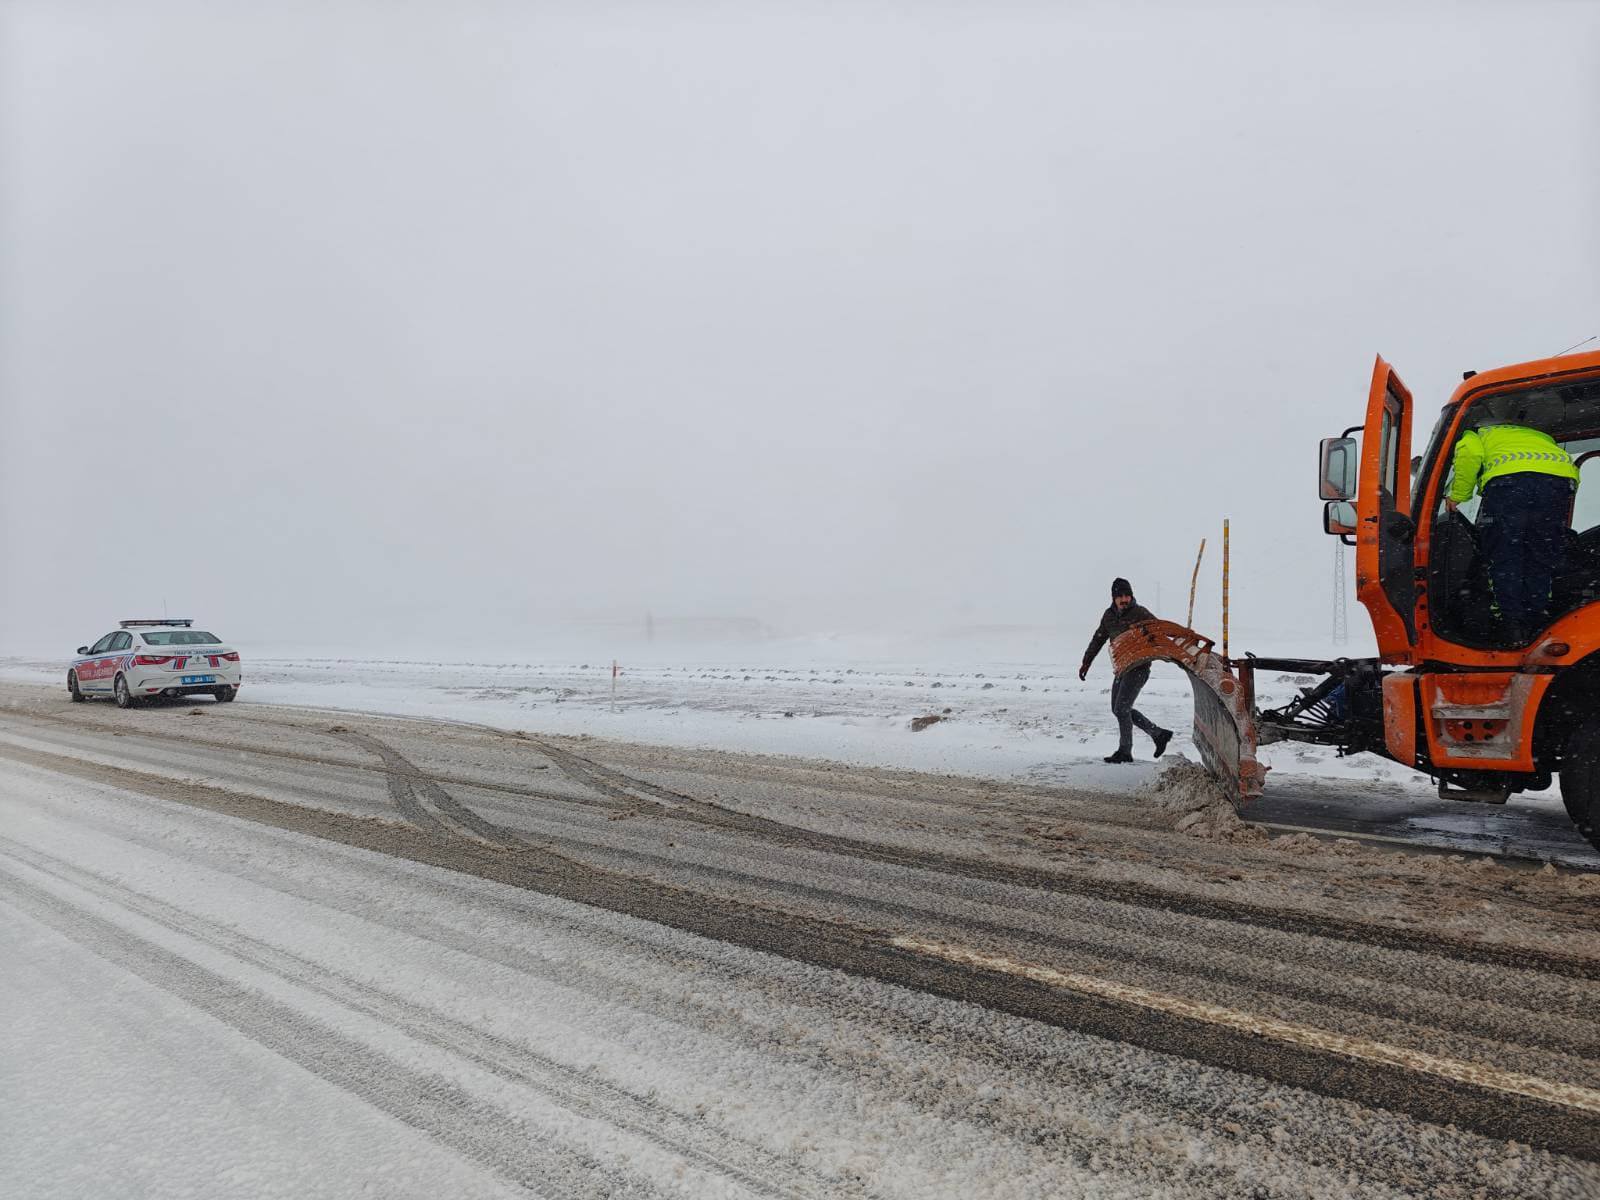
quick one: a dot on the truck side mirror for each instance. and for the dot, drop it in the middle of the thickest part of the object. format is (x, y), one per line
(1336, 478)
(1339, 517)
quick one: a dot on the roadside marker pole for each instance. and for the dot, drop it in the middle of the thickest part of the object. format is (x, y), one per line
(613, 685)
(1193, 582)
(1224, 589)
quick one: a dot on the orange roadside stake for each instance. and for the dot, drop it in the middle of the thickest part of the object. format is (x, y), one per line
(1224, 589)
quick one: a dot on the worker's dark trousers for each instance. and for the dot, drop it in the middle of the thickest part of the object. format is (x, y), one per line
(1125, 690)
(1522, 526)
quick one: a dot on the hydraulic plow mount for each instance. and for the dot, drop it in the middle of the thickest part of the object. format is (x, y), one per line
(1343, 708)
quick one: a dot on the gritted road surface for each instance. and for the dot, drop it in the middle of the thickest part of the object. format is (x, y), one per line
(582, 968)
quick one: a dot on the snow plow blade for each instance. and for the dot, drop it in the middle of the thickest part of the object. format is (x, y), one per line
(1224, 704)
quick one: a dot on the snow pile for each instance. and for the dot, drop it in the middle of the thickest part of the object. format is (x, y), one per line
(1187, 796)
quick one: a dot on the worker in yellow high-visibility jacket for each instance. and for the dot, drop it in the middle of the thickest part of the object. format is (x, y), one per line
(1527, 481)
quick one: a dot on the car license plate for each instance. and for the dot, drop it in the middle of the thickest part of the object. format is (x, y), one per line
(199, 679)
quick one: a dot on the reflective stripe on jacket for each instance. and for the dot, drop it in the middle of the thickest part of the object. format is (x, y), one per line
(1484, 455)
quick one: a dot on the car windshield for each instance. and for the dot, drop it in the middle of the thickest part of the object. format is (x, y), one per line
(180, 637)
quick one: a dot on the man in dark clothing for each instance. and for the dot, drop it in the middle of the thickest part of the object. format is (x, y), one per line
(1124, 613)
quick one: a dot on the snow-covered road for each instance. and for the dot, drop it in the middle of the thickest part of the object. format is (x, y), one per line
(266, 951)
(998, 719)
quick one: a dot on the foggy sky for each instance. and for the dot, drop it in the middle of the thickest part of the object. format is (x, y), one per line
(416, 320)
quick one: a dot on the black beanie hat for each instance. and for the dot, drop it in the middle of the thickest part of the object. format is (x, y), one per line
(1121, 587)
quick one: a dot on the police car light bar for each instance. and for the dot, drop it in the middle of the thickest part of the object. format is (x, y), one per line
(184, 621)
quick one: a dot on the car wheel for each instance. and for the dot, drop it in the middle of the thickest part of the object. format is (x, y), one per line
(224, 694)
(125, 698)
(1580, 779)
(72, 688)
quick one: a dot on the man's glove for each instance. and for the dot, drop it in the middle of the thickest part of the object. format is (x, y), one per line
(1083, 671)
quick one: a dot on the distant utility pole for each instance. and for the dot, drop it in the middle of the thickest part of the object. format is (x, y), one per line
(1341, 614)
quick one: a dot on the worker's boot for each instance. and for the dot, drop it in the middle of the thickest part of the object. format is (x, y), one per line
(1121, 756)
(1161, 738)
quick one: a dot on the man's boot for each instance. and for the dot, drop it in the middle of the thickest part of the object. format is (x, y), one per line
(1161, 737)
(1121, 756)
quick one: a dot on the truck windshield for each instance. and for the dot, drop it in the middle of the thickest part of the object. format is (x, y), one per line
(1568, 412)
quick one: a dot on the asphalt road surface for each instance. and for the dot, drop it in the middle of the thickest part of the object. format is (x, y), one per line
(509, 964)
(1530, 827)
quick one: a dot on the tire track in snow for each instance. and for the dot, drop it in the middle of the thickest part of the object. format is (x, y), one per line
(297, 756)
(1359, 997)
(763, 1173)
(1247, 1130)
(865, 951)
(1122, 891)
(425, 802)
(486, 1136)
(611, 782)
(1305, 985)
(617, 788)
(1295, 966)
(1518, 1084)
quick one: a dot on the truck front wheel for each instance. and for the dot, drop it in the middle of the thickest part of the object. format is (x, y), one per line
(1580, 779)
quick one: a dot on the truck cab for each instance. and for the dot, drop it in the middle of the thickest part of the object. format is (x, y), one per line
(1456, 691)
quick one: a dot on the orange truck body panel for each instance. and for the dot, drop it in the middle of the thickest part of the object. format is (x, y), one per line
(1400, 716)
(1482, 721)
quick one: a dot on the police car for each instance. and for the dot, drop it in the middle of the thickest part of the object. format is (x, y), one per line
(155, 658)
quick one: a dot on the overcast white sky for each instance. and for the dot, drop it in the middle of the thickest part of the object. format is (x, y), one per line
(403, 318)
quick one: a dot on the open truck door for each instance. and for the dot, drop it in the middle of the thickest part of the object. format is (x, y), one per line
(1385, 533)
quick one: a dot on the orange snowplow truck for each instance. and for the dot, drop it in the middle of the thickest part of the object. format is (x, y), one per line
(1485, 708)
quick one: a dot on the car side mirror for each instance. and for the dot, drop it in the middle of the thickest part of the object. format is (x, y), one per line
(1336, 475)
(1339, 517)
(83, 650)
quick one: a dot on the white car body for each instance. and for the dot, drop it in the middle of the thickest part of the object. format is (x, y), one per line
(156, 658)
